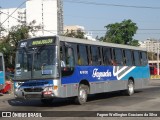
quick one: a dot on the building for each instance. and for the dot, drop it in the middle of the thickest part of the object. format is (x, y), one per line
(76, 28)
(89, 36)
(7, 19)
(48, 14)
(151, 45)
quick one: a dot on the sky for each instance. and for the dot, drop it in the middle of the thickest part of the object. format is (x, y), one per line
(95, 16)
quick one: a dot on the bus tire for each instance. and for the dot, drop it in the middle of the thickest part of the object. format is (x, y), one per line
(82, 94)
(46, 101)
(130, 88)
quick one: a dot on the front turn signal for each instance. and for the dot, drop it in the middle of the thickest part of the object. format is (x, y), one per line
(55, 87)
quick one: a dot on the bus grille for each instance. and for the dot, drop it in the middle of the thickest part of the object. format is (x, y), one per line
(34, 96)
(33, 89)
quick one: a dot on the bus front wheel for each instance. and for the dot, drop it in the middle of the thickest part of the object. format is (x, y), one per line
(82, 94)
(130, 87)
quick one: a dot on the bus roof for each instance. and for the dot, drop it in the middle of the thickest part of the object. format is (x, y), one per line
(89, 42)
(84, 41)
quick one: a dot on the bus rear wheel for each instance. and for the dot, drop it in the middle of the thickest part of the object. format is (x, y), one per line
(130, 88)
(82, 94)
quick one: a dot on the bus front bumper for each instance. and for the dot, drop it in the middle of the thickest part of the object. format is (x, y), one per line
(22, 94)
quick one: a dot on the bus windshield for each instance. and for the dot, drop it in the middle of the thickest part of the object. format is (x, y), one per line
(37, 63)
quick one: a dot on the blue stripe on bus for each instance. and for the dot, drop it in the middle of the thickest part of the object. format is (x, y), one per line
(138, 73)
(102, 73)
(34, 83)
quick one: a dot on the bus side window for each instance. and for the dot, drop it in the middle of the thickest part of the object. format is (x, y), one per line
(82, 55)
(113, 60)
(69, 57)
(140, 58)
(89, 55)
(95, 55)
(133, 58)
(128, 57)
(118, 56)
(62, 60)
(107, 56)
(100, 59)
(1, 64)
(136, 58)
(144, 58)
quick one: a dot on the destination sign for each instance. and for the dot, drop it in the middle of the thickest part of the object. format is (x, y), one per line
(42, 42)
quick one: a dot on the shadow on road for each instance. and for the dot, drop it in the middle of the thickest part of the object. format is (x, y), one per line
(101, 96)
(37, 103)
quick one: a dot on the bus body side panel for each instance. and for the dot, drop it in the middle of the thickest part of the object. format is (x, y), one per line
(107, 86)
(68, 90)
(2, 80)
(2, 72)
(104, 79)
(140, 75)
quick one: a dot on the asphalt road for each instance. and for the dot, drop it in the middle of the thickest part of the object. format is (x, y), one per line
(147, 99)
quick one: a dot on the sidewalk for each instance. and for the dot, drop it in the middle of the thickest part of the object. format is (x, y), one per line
(157, 77)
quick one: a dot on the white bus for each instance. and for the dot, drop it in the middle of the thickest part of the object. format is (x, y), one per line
(60, 67)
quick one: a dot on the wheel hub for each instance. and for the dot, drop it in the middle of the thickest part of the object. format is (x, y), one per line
(131, 89)
(82, 95)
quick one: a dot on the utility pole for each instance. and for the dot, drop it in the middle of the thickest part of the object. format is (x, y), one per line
(60, 17)
(0, 24)
(157, 57)
(42, 19)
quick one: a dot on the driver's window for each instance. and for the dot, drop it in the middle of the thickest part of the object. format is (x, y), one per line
(62, 58)
(67, 61)
(69, 57)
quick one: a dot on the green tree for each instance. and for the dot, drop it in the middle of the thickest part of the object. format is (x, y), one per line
(21, 32)
(121, 33)
(9, 43)
(75, 34)
(99, 39)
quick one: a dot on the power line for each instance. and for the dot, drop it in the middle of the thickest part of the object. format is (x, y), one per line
(138, 29)
(13, 13)
(97, 31)
(149, 29)
(10, 16)
(94, 30)
(114, 5)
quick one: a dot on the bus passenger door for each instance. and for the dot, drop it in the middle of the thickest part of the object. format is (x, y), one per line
(68, 71)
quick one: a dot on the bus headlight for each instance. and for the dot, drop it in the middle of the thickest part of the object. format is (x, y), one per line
(18, 89)
(55, 87)
(48, 89)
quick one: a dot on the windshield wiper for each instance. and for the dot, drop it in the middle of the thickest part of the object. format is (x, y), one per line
(40, 48)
